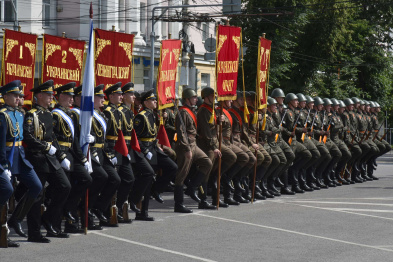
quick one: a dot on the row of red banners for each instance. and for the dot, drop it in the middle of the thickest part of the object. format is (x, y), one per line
(62, 61)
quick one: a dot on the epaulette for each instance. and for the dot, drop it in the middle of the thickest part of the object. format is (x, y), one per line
(108, 108)
(32, 110)
(143, 112)
(3, 110)
(120, 108)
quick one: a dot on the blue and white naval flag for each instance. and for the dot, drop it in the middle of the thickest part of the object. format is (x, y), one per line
(87, 98)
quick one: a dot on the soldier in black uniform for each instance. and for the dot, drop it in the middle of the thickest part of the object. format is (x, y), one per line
(143, 171)
(102, 157)
(45, 155)
(146, 130)
(115, 123)
(68, 142)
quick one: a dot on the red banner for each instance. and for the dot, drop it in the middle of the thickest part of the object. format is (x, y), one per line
(19, 51)
(227, 61)
(62, 60)
(167, 72)
(263, 70)
(113, 57)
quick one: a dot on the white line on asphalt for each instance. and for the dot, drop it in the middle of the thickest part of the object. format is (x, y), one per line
(362, 210)
(154, 247)
(330, 209)
(341, 203)
(296, 232)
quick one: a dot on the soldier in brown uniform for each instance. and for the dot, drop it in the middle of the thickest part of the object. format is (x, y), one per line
(208, 139)
(237, 112)
(243, 162)
(189, 154)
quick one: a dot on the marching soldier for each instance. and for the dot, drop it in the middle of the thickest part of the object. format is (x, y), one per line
(146, 130)
(208, 142)
(47, 159)
(290, 133)
(189, 153)
(383, 146)
(99, 176)
(278, 117)
(116, 122)
(68, 142)
(242, 157)
(304, 117)
(336, 136)
(12, 158)
(241, 139)
(352, 139)
(103, 157)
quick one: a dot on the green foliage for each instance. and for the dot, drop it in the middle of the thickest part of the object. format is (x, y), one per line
(329, 48)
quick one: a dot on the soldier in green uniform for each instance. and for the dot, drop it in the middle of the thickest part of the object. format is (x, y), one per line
(189, 153)
(336, 135)
(383, 145)
(290, 134)
(303, 122)
(277, 117)
(315, 176)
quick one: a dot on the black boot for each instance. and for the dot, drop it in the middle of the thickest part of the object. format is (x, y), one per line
(295, 182)
(192, 187)
(19, 214)
(303, 182)
(333, 178)
(370, 170)
(265, 191)
(179, 197)
(203, 196)
(270, 186)
(285, 189)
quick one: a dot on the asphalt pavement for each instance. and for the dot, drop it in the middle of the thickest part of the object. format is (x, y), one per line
(347, 223)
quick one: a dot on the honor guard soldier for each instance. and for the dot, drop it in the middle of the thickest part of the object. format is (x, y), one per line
(144, 173)
(102, 158)
(115, 123)
(146, 130)
(45, 155)
(188, 153)
(12, 158)
(68, 141)
(290, 134)
(208, 142)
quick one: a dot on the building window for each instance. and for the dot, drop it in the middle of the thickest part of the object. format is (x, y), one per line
(205, 31)
(146, 78)
(7, 13)
(143, 18)
(205, 80)
(45, 12)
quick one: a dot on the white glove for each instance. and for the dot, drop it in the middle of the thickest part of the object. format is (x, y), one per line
(114, 160)
(7, 173)
(129, 157)
(98, 159)
(87, 166)
(90, 139)
(52, 150)
(149, 155)
(66, 164)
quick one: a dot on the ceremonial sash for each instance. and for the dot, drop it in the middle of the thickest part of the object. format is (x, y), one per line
(227, 114)
(65, 118)
(210, 110)
(237, 116)
(77, 110)
(100, 120)
(189, 111)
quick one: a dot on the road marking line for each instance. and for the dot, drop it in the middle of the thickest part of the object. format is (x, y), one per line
(341, 203)
(362, 210)
(154, 247)
(330, 209)
(296, 232)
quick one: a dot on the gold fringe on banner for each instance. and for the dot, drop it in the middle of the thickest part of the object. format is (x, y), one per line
(211, 120)
(246, 112)
(264, 122)
(255, 118)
